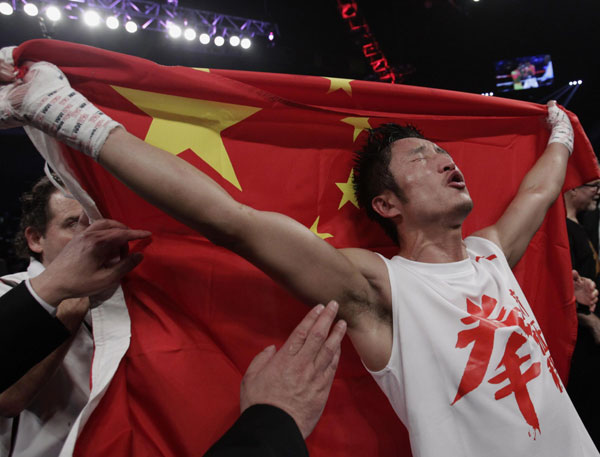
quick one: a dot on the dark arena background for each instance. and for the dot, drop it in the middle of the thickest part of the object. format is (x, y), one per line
(449, 44)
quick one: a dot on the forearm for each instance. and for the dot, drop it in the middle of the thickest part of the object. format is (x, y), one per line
(170, 183)
(546, 177)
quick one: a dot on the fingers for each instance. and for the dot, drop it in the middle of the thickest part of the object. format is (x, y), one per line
(575, 275)
(319, 331)
(296, 340)
(8, 73)
(329, 354)
(260, 360)
(125, 265)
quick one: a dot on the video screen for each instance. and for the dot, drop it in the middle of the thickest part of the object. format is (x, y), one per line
(521, 73)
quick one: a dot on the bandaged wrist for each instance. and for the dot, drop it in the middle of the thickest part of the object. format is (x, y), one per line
(562, 131)
(47, 102)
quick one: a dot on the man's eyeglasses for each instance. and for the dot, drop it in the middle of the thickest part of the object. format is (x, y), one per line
(596, 185)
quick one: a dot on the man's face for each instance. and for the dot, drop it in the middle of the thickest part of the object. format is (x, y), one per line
(587, 196)
(62, 224)
(433, 185)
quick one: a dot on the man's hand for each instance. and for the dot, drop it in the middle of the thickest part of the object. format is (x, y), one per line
(94, 260)
(585, 291)
(298, 377)
(560, 125)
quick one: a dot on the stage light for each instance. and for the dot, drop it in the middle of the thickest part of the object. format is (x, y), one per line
(53, 13)
(131, 27)
(204, 38)
(219, 41)
(271, 36)
(579, 81)
(112, 22)
(30, 9)
(246, 43)
(174, 30)
(91, 18)
(189, 34)
(6, 8)
(234, 40)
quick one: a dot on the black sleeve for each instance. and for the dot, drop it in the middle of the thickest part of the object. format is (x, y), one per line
(261, 431)
(28, 334)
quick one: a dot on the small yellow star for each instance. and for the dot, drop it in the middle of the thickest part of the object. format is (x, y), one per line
(348, 191)
(339, 83)
(359, 124)
(314, 227)
(181, 123)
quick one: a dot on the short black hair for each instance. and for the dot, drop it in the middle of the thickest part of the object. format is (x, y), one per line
(372, 173)
(35, 213)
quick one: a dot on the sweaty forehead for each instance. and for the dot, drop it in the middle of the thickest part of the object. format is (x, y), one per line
(407, 147)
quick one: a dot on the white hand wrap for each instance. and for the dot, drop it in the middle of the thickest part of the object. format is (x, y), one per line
(46, 101)
(562, 131)
(6, 55)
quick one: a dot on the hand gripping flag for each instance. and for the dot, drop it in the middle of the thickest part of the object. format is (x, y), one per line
(171, 350)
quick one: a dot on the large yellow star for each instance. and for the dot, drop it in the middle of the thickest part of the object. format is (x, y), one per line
(359, 124)
(339, 83)
(348, 191)
(180, 123)
(314, 229)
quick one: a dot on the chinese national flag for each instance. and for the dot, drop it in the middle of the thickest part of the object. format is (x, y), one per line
(198, 314)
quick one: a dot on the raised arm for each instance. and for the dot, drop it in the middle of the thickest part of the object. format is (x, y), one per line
(283, 248)
(537, 192)
(275, 243)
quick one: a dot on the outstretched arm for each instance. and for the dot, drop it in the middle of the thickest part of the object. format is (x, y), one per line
(537, 192)
(275, 243)
(278, 245)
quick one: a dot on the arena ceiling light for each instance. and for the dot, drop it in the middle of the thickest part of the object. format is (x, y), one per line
(174, 31)
(53, 13)
(246, 43)
(131, 27)
(91, 18)
(189, 34)
(204, 38)
(112, 22)
(219, 41)
(31, 9)
(6, 8)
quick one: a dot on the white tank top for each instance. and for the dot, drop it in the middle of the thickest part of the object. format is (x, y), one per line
(470, 373)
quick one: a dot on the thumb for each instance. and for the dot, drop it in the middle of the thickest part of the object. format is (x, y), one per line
(125, 265)
(260, 360)
(575, 275)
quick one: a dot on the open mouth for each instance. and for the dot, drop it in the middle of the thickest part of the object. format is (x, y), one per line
(456, 180)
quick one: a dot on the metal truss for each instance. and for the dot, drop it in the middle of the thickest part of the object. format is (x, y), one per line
(157, 16)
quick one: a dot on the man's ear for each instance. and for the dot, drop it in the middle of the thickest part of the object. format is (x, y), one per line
(34, 240)
(387, 205)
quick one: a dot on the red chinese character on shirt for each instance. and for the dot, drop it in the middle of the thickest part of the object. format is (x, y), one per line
(517, 381)
(482, 337)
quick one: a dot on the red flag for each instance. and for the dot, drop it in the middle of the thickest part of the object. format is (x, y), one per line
(280, 143)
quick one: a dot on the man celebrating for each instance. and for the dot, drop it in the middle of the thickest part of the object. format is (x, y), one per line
(42, 405)
(443, 326)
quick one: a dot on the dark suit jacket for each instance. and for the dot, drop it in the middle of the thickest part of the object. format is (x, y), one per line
(261, 431)
(28, 333)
